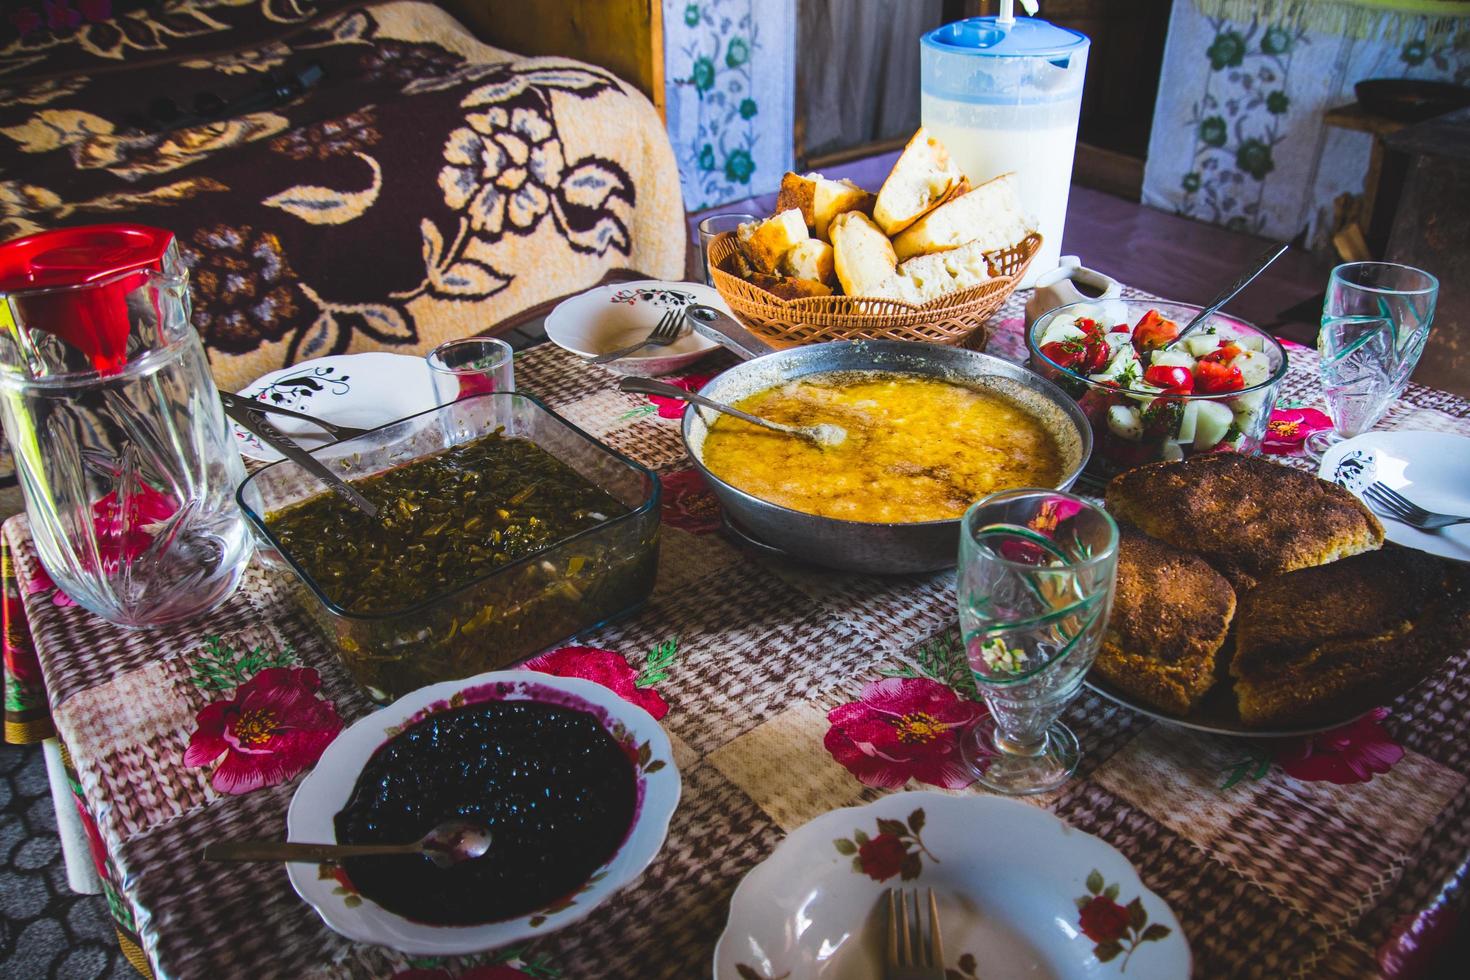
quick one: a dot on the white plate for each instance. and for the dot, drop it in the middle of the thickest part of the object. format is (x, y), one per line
(608, 317)
(1010, 879)
(329, 785)
(362, 390)
(1430, 468)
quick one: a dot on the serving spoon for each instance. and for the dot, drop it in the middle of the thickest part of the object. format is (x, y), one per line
(447, 844)
(1228, 293)
(823, 435)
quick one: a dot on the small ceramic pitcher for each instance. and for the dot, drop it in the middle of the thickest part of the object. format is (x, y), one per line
(1069, 282)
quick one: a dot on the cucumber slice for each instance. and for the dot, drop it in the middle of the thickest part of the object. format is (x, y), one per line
(1212, 421)
(1125, 422)
(1060, 330)
(1248, 402)
(1255, 367)
(1188, 421)
(1172, 452)
(1173, 358)
(1251, 341)
(1200, 344)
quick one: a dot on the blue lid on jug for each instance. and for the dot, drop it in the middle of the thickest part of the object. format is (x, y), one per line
(979, 59)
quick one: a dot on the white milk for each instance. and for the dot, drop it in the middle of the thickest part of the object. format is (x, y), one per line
(1036, 141)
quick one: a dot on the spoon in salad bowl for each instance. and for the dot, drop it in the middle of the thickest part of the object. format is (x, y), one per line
(449, 843)
(823, 435)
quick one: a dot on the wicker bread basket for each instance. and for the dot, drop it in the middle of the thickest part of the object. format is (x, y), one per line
(958, 319)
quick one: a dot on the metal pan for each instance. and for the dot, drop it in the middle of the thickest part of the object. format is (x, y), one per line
(856, 546)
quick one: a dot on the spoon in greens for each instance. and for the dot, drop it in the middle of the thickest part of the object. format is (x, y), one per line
(823, 435)
(447, 844)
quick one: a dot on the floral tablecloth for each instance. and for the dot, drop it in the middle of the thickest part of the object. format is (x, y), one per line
(786, 693)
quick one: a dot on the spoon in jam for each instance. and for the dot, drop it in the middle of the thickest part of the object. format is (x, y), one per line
(823, 435)
(448, 844)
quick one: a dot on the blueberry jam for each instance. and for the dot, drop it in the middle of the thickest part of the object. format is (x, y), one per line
(555, 791)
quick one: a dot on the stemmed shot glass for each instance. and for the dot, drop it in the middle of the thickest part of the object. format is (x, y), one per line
(1035, 589)
(1375, 321)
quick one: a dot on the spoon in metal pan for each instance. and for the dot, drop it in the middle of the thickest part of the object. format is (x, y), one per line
(823, 435)
(448, 844)
(1228, 293)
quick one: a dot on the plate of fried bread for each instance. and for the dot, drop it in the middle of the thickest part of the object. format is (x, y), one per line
(928, 251)
(1256, 599)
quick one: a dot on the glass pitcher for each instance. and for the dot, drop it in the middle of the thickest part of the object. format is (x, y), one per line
(121, 446)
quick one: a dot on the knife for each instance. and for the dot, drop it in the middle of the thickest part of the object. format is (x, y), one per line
(254, 420)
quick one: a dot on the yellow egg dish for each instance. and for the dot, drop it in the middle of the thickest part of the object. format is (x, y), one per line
(918, 448)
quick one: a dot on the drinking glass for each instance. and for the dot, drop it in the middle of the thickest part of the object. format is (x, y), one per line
(470, 367)
(1375, 321)
(1035, 588)
(717, 224)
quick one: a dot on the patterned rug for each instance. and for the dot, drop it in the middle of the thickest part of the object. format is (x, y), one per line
(46, 929)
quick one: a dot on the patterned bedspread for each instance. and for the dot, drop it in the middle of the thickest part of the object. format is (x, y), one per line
(426, 187)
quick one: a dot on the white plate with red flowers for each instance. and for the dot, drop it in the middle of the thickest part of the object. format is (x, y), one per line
(327, 789)
(1021, 894)
(360, 390)
(1430, 468)
(620, 314)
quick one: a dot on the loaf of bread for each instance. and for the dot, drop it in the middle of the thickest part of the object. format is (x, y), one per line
(991, 215)
(764, 243)
(790, 287)
(820, 200)
(922, 177)
(862, 255)
(1319, 645)
(1247, 516)
(928, 277)
(1171, 614)
(811, 259)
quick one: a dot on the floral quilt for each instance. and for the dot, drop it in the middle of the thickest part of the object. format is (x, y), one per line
(407, 185)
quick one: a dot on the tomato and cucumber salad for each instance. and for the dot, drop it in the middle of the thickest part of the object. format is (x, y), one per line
(1143, 395)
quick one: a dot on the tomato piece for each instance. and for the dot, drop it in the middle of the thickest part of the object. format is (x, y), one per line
(1153, 331)
(1121, 328)
(1174, 379)
(1089, 326)
(1063, 353)
(1097, 354)
(1213, 376)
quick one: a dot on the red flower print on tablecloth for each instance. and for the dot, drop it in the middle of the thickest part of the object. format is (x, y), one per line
(673, 408)
(903, 728)
(613, 672)
(688, 503)
(1419, 945)
(274, 727)
(1290, 427)
(1114, 929)
(41, 582)
(897, 849)
(119, 541)
(1353, 753)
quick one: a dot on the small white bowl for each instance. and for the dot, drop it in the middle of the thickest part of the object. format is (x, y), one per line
(617, 315)
(329, 785)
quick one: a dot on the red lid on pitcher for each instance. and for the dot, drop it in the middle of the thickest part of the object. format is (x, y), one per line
(95, 320)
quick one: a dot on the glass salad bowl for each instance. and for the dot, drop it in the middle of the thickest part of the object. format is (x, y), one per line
(1212, 392)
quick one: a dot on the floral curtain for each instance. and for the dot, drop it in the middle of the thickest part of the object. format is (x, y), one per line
(1238, 135)
(729, 83)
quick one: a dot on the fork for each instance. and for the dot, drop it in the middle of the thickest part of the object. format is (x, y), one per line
(910, 957)
(1392, 504)
(669, 327)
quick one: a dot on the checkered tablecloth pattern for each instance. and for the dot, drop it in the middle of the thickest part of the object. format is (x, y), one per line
(1270, 877)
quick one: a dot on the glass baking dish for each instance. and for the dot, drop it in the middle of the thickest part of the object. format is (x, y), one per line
(515, 610)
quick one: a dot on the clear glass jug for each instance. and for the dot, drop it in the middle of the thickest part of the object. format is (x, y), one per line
(121, 446)
(1006, 97)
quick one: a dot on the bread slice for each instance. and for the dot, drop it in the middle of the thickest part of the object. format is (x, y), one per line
(1171, 614)
(862, 254)
(811, 259)
(820, 200)
(926, 278)
(1248, 517)
(1320, 645)
(790, 287)
(923, 177)
(991, 214)
(765, 242)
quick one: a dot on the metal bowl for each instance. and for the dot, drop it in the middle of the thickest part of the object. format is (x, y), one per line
(858, 546)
